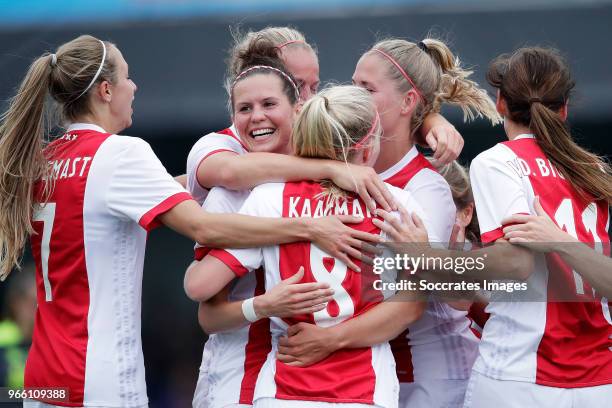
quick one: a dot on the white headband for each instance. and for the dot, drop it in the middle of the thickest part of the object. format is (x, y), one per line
(287, 77)
(93, 80)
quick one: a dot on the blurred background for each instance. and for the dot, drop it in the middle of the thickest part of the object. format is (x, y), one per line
(176, 51)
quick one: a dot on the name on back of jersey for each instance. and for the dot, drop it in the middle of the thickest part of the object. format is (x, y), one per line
(544, 168)
(69, 167)
(322, 207)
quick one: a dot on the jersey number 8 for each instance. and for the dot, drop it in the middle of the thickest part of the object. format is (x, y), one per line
(333, 272)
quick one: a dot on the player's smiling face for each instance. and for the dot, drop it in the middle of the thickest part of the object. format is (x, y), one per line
(371, 74)
(263, 115)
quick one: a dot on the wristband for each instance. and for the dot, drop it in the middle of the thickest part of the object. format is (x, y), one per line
(248, 310)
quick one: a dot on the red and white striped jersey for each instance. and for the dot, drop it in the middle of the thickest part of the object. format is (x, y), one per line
(89, 250)
(558, 344)
(365, 375)
(231, 360)
(226, 140)
(440, 345)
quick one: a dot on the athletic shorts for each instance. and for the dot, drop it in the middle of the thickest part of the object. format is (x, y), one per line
(485, 392)
(280, 403)
(432, 394)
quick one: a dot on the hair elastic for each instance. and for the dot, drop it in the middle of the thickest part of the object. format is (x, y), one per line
(535, 99)
(368, 135)
(53, 62)
(423, 46)
(279, 47)
(401, 70)
(284, 75)
(95, 77)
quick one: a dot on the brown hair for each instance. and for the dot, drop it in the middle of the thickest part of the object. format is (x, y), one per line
(254, 58)
(23, 136)
(536, 83)
(458, 179)
(439, 77)
(333, 125)
(275, 37)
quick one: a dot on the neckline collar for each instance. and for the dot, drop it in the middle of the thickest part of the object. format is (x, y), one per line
(403, 162)
(85, 126)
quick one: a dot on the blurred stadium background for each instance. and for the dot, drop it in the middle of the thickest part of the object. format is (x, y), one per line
(176, 51)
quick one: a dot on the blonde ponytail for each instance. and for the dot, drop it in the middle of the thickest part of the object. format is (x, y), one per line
(68, 77)
(22, 162)
(455, 87)
(436, 75)
(336, 124)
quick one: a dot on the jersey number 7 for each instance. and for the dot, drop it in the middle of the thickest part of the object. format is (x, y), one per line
(46, 214)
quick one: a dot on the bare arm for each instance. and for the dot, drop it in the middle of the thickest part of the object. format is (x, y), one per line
(502, 260)
(441, 136)
(540, 233)
(593, 266)
(245, 171)
(241, 231)
(218, 314)
(288, 298)
(206, 278)
(308, 344)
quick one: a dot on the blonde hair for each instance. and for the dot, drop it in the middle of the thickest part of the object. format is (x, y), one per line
(438, 77)
(23, 133)
(536, 83)
(333, 125)
(458, 179)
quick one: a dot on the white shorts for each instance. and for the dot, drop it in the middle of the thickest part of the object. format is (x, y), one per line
(280, 403)
(432, 394)
(485, 392)
(28, 403)
(200, 396)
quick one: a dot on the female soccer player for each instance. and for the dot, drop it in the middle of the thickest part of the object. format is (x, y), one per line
(340, 123)
(550, 346)
(86, 202)
(434, 357)
(556, 352)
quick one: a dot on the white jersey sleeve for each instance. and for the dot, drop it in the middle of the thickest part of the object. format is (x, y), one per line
(499, 192)
(208, 145)
(220, 201)
(407, 200)
(433, 194)
(262, 202)
(140, 188)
